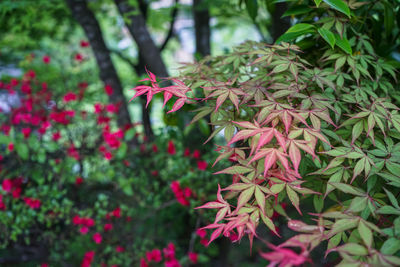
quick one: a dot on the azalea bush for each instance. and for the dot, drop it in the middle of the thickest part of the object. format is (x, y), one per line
(77, 189)
(315, 130)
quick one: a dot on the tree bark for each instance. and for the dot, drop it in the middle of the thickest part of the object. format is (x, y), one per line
(149, 53)
(85, 17)
(202, 28)
(279, 25)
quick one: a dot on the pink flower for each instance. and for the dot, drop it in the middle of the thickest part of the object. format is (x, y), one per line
(87, 259)
(97, 238)
(154, 255)
(84, 230)
(7, 185)
(97, 108)
(193, 257)
(154, 148)
(201, 233)
(117, 212)
(56, 136)
(143, 263)
(202, 165)
(78, 57)
(169, 252)
(171, 148)
(46, 59)
(10, 147)
(109, 90)
(108, 227)
(76, 220)
(119, 249)
(107, 155)
(84, 43)
(196, 154)
(204, 242)
(186, 153)
(26, 132)
(44, 265)
(32, 203)
(26, 88)
(70, 96)
(111, 108)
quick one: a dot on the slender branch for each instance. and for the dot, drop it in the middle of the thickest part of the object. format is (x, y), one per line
(171, 27)
(125, 58)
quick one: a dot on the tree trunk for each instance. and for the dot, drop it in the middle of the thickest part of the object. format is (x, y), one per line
(108, 74)
(202, 28)
(149, 53)
(279, 25)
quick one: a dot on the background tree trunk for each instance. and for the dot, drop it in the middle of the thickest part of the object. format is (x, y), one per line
(279, 25)
(85, 17)
(202, 28)
(149, 53)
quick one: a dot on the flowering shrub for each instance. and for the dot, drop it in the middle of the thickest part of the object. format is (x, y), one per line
(75, 189)
(297, 131)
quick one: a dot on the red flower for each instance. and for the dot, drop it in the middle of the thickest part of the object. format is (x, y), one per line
(171, 148)
(16, 193)
(14, 82)
(108, 227)
(143, 263)
(107, 155)
(202, 165)
(187, 192)
(119, 249)
(97, 238)
(32, 203)
(193, 257)
(78, 57)
(26, 132)
(84, 43)
(84, 230)
(154, 148)
(46, 59)
(109, 90)
(87, 259)
(56, 136)
(117, 212)
(76, 220)
(7, 185)
(186, 153)
(26, 88)
(204, 242)
(196, 154)
(154, 173)
(201, 233)
(70, 96)
(111, 108)
(78, 180)
(10, 147)
(44, 265)
(154, 255)
(169, 252)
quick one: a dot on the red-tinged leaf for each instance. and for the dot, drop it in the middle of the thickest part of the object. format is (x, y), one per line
(305, 148)
(281, 139)
(222, 156)
(287, 120)
(264, 139)
(149, 97)
(270, 160)
(140, 90)
(178, 104)
(348, 189)
(220, 100)
(353, 249)
(269, 223)
(295, 156)
(298, 117)
(237, 187)
(221, 214)
(246, 124)
(294, 198)
(243, 134)
(219, 196)
(300, 226)
(244, 197)
(215, 234)
(260, 198)
(212, 205)
(237, 169)
(151, 75)
(282, 158)
(167, 97)
(235, 100)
